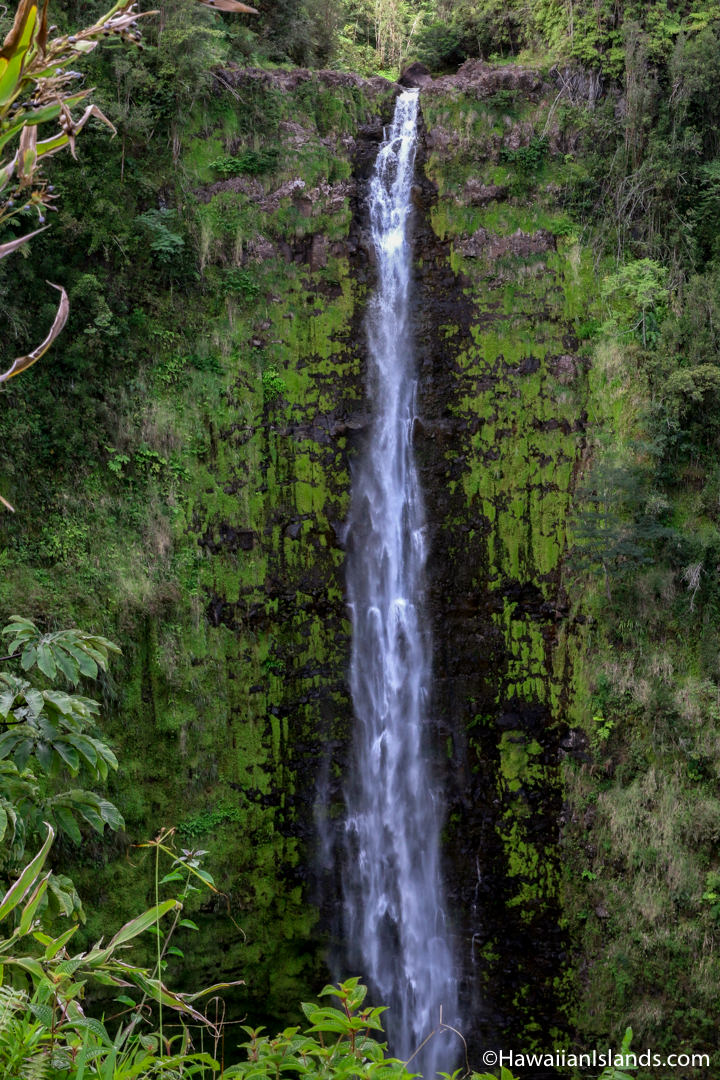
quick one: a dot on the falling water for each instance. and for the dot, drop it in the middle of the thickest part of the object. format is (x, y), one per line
(394, 921)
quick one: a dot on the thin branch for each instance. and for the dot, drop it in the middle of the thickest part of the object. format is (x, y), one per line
(442, 1026)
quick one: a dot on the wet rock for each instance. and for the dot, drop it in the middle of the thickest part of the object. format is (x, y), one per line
(518, 135)
(259, 248)
(416, 76)
(228, 539)
(290, 189)
(574, 742)
(565, 368)
(441, 140)
(372, 131)
(295, 136)
(242, 185)
(578, 85)
(476, 193)
(487, 245)
(480, 80)
(234, 77)
(352, 424)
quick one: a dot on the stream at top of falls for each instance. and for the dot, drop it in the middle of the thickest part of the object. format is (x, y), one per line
(394, 921)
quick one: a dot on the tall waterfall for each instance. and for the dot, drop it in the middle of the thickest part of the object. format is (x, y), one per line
(394, 921)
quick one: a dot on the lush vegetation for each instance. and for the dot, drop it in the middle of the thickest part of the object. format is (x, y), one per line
(367, 35)
(174, 350)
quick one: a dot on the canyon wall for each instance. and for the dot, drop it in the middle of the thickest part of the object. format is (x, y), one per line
(181, 465)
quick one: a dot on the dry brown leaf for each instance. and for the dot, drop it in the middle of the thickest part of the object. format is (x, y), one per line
(229, 5)
(13, 245)
(24, 362)
(42, 30)
(27, 154)
(122, 22)
(13, 38)
(93, 110)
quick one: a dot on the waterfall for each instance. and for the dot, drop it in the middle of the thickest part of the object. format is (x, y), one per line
(394, 920)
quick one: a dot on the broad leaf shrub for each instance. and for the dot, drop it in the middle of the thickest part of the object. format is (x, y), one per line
(339, 1043)
(45, 1029)
(46, 1032)
(50, 743)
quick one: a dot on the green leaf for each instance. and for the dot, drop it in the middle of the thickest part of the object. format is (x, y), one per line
(57, 944)
(44, 1013)
(106, 754)
(340, 1026)
(22, 752)
(8, 741)
(68, 665)
(161, 993)
(19, 625)
(215, 988)
(68, 754)
(111, 814)
(35, 701)
(142, 922)
(44, 754)
(27, 659)
(85, 746)
(92, 816)
(86, 663)
(64, 896)
(20, 888)
(33, 967)
(7, 700)
(68, 823)
(63, 703)
(174, 875)
(28, 912)
(94, 1025)
(45, 661)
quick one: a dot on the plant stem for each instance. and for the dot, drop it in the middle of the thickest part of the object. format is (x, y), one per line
(158, 941)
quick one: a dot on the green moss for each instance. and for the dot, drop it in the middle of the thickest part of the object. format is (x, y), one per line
(203, 539)
(521, 395)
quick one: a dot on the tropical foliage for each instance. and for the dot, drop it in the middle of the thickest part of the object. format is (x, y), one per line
(49, 742)
(642, 187)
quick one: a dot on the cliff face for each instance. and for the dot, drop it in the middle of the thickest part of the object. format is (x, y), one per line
(258, 710)
(259, 766)
(206, 532)
(211, 526)
(198, 519)
(504, 288)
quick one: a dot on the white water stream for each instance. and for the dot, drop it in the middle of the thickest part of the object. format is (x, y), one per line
(394, 920)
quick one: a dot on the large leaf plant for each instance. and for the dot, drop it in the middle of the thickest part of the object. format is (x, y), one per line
(50, 744)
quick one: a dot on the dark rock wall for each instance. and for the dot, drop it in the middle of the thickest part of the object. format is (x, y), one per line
(502, 432)
(224, 579)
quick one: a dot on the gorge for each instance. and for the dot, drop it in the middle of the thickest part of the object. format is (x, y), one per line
(250, 565)
(205, 461)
